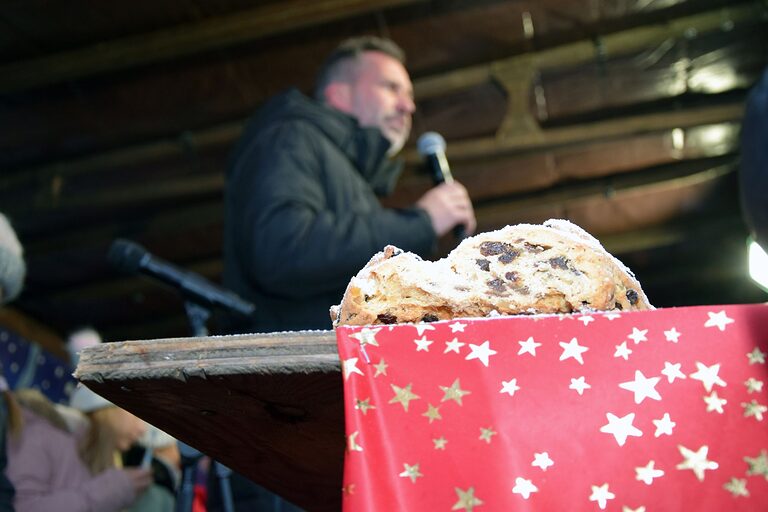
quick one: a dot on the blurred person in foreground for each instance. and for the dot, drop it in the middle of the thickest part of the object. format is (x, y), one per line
(12, 273)
(53, 467)
(154, 448)
(302, 197)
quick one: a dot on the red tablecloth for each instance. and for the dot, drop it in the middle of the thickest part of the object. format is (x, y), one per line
(656, 410)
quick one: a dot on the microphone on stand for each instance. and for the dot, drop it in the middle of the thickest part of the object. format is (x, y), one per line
(431, 145)
(132, 258)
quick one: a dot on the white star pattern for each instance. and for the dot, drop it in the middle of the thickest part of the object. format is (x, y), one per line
(366, 336)
(672, 335)
(696, 461)
(350, 367)
(420, 328)
(422, 344)
(482, 352)
(664, 425)
(528, 347)
(509, 387)
(708, 375)
(601, 495)
(637, 335)
(453, 346)
(647, 473)
(622, 351)
(579, 385)
(672, 371)
(586, 319)
(719, 320)
(457, 327)
(715, 403)
(542, 460)
(621, 428)
(612, 316)
(572, 349)
(524, 487)
(642, 387)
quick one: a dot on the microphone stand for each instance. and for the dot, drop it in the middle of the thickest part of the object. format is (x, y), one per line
(198, 315)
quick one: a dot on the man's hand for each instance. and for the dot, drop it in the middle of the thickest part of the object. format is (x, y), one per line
(448, 205)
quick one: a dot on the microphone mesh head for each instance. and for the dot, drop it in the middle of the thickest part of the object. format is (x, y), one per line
(430, 143)
(125, 255)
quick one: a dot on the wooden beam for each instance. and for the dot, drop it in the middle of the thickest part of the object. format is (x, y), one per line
(665, 186)
(504, 70)
(664, 179)
(571, 54)
(672, 234)
(185, 40)
(476, 148)
(484, 147)
(177, 220)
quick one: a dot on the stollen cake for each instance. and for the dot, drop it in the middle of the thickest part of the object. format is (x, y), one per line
(556, 267)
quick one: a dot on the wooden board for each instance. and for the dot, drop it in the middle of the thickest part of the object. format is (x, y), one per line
(269, 406)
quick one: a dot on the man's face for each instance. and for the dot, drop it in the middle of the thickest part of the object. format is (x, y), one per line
(381, 96)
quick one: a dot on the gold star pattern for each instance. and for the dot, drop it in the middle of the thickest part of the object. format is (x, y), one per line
(352, 445)
(753, 385)
(411, 472)
(381, 368)
(467, 500)
(440, 443)
(754, 409)
(454, 392)
(348, 490)
(366, 336)
(758, 465)
(433, 413)
(364, 405)
(486, 433)
(737, 487)
(403, 396)
(757, 356)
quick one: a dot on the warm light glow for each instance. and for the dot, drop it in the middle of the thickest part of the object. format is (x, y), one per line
(758, 265)
(713, 79)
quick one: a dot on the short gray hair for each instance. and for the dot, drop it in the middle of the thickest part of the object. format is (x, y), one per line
(339, 65)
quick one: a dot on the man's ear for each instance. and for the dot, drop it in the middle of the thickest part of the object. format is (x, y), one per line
(339, 96)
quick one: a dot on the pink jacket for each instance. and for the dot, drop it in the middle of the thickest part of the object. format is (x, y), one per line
(48, 474)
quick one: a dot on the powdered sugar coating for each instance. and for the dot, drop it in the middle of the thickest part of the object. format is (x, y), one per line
(556, 267)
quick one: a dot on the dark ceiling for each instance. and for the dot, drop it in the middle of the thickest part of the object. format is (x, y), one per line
(620, 115)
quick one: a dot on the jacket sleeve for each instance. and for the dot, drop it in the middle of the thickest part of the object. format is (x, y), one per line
(291, 241)
(109, 491)
(49, 475)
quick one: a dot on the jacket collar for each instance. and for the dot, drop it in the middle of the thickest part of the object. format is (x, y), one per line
(365, 147)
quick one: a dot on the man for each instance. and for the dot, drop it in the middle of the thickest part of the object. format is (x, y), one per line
(12, 272)
(302, 208)
(302, 212)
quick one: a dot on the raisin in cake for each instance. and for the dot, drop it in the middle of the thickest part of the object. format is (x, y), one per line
(556, 267)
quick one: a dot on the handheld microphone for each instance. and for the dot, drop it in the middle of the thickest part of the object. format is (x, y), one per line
(132, 258)
(431, 145)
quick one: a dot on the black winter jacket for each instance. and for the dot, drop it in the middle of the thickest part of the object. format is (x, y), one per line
(302, 213)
